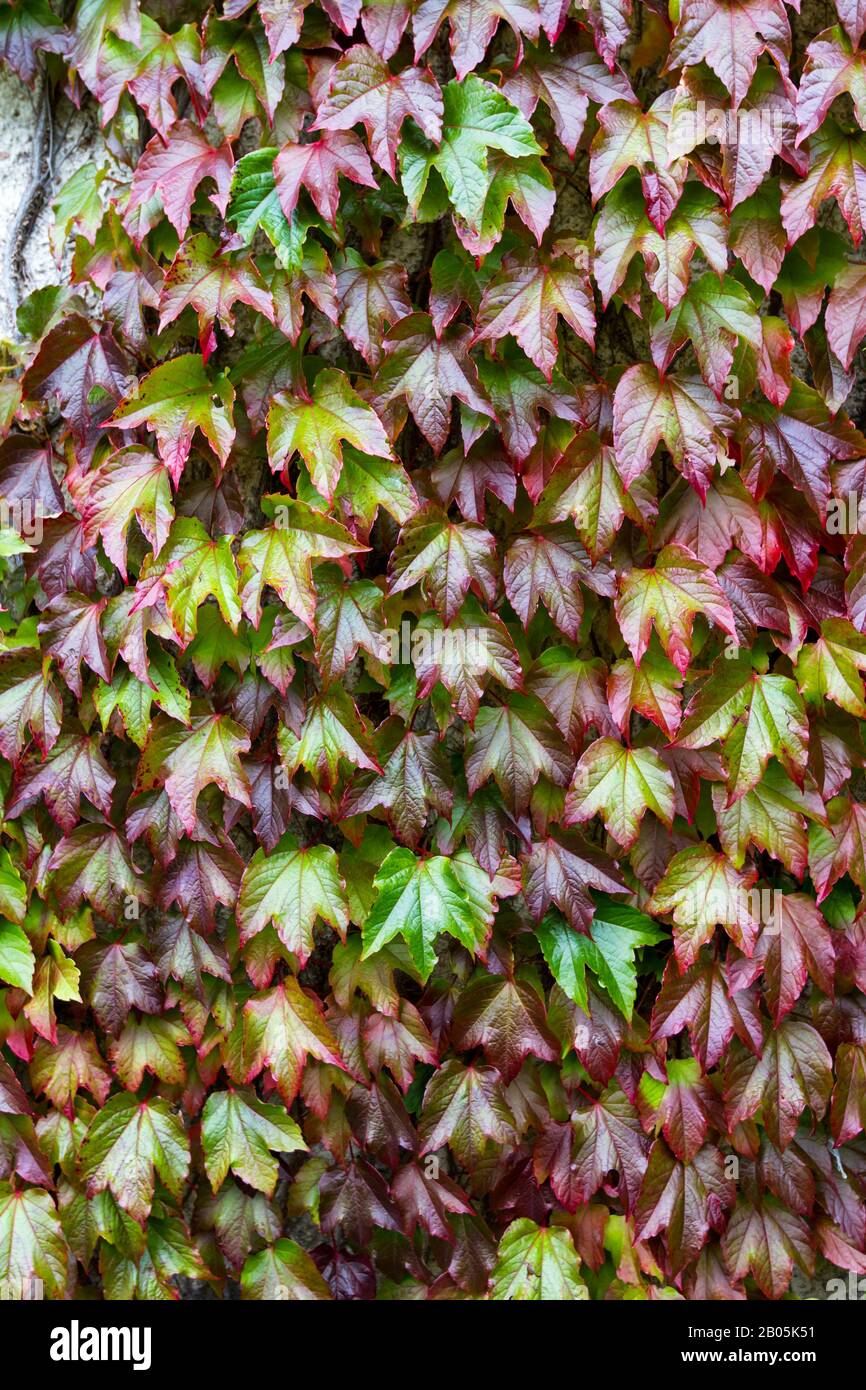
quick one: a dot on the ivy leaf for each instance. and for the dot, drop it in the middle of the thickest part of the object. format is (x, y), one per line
(793, 1071)
(241, 1133)
(515, 744)
(197, 278)
(682, 413)
(713, 317)
(524, 299)
(186, 761)
(292, 888)
(176, 399)
(731, 38)
(372, 298)
(766, 1239)
(362, 90)
(420, 898)
(173, 170)
(683, 1199)
(615, 933)
(702, 889)
(280, 1267)
(699, 999)
(472, 27)
(130, 483)
(623, 784)
(667, 597)
(127, 1140)
(464, 1107)
(537, 1264)
(283, 1030)
(17, 961)
(428, 371)
(450, 557)
(282, 556)
(314, 428)
(845, 318)
(32, 1245)
(506, 1018)
(316, 166)
(836, 169)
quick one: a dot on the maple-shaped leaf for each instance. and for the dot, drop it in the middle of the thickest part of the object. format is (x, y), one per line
(199, 279)
(848, 1106)
(32, 1243)
(363, 91)
(127, 1140)
(191, 567)
(765, 1239)
(623, 229)
(837, 169)
(73, 1063)
(413, 779)
(623, 784)
(292, 888)
(149, 68)
(255, 205)
(333, 732)
(515, 744)
(420, 898)
(519, 392)
(536, 1263)
(465, 1107)
(372, 298)
(548, 565)
(668, 597)
(93, 862)
(315, 427)
(17, 961)
(560, 870)
(130, 483)
(795, 944)
(448, 556)
(26, 476)
(833, 66)
(607, 948)
(71, 632)
(176, 399)
(681, 412)
(466, 478)
(586, 488)
(628, 137)
(652, 689)
(472, 27)
(429, 371)
(30, 705)
(756, 715)
(566, 82)
(186, 761)
(792, 1072)
(316, 166)
(702, 889)
(713, 317)
(573, 690)
(699, 999)
(477, 117)
(506, 1018)
(845, 317)
(348, 617)
(149, 1045)
(201, 875)
(283, 1029)
(683, 1200)
(757, 236)
(172, 169)
(283, 1270)
(801, 441)
(730, 36)
(282, 556)
(839, 847)
(603, 1138)
(73, 769)
(242, 1133)
(525, 298)
(772, 815)
(84, 371)
(831, 668)
(182, 954)
(29, 29)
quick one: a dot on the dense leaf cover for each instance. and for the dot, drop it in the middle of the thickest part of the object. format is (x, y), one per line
(432, 662)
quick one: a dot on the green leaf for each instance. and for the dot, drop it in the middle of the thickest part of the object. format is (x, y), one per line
(536, 1263)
